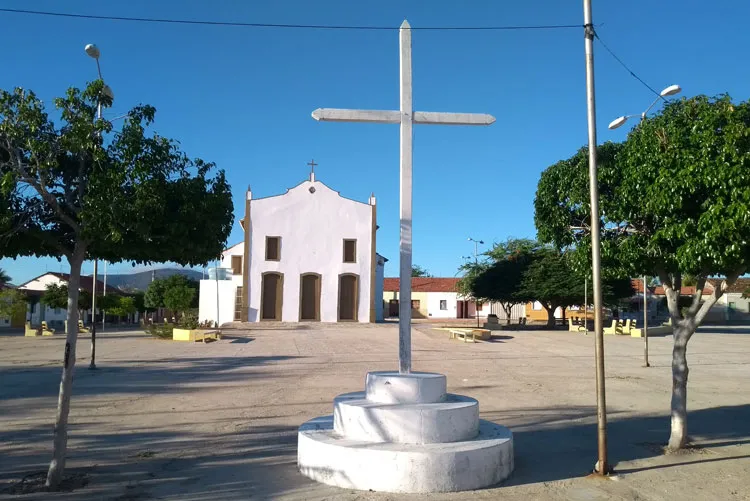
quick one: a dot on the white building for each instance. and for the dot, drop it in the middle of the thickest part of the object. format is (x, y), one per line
(55, 317)
(311, 258)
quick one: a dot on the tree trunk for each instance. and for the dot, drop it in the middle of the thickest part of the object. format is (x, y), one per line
(678, 432)
(60, 441)
(550, 315)
(508, 308)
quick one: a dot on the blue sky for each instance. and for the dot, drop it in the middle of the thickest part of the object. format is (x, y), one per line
(242, 97)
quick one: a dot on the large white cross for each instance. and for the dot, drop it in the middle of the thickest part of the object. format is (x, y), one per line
(406, 117)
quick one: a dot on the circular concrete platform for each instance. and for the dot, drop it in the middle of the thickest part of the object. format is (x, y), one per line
(454, 419)
(390, 387)
(325, 456)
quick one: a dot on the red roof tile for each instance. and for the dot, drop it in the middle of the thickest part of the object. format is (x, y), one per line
(423, 284)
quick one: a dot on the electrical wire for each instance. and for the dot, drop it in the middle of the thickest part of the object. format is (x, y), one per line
(299, 26)
(632, 73)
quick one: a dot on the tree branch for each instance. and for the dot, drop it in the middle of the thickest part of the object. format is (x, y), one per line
(699, 286)
(672, 298)
(718, 292)
(42, 190)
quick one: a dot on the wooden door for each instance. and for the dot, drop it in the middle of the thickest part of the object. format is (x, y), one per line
(271, 296)
(348, 300)
(393, 308)
(309, 297)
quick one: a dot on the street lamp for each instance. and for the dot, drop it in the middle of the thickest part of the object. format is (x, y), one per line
(617, 122)
(94, 52)
(668, 91)
(476, 262)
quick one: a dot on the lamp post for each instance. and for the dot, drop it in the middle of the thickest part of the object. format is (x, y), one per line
(614, 124)
(476, 263)
(602, 468)
(93, 52)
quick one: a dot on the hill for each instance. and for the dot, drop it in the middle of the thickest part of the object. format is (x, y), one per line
(139, 281)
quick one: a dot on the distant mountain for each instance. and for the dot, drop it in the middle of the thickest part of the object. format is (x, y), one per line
(139, 281)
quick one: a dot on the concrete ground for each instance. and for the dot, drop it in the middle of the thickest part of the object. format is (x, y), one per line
(177, 421)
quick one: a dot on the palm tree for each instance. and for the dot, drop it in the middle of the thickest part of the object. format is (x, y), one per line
(4, 277)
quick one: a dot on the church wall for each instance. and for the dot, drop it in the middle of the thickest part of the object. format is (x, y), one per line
(312, 227)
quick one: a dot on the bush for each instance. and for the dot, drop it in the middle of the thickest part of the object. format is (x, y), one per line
(162, 331)
(189, 320)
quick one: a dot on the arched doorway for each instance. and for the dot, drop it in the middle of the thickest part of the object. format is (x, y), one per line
(309, 297)
(272, 293)
(348, 297)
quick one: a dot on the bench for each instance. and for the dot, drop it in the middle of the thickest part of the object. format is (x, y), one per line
(203, 335)
(576, 325)
(482, 334)
(32, 331)
(82, 329)
(46, 331)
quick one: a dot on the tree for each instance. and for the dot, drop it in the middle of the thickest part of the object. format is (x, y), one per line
(746, 294)
(499, 280)
(139, 301)
(55, 296)
(124, 306)
(157, 289)
(179, 298)
(418, 271)
(81, 190)
(675, 199)
(12, 303)
(549, 280)
(4, 277)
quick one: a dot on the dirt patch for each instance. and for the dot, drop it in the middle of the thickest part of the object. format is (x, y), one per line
(35, 482)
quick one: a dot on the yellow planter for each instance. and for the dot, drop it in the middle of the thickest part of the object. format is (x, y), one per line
(193, 335)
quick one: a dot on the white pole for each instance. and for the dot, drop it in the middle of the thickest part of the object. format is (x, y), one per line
(586, 304)
(405, 245)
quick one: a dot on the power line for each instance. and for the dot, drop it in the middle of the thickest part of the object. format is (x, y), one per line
(632, 73)
(299, 26)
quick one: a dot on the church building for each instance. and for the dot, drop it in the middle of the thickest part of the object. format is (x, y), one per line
(308, 255)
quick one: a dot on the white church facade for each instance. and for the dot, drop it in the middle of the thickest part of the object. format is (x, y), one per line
(310, 258)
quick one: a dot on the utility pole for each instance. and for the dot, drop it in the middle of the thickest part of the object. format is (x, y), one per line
(602, 468)
(476, 263)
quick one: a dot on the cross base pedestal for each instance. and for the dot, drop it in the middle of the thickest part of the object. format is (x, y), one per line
(404, 433)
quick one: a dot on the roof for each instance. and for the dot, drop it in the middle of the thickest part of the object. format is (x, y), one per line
(740, 286)
(423, 284)
(86, 282)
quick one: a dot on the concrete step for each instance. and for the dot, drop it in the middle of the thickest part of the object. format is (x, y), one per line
(326, 457)
(455, 419)
(390, 387)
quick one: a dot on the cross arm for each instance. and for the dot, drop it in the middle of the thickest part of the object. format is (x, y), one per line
(432, 118)
(373, 116)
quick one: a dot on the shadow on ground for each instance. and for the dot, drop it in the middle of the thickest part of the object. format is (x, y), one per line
(165, 375)
(259, 462)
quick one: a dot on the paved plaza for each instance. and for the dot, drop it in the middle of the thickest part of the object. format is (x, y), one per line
(178, 421)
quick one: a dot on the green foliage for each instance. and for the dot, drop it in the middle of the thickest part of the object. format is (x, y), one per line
(124, 306)
(675, 197)
(91, 186)
(189, 320)
(107, 303)
(4, 277)
(140, 302)
(418, 271)
(746, 294)
(84, 300)
(179, 298)
(155, 294)
(160, 330)
(498, 278)
(56, 296)
(12, 303)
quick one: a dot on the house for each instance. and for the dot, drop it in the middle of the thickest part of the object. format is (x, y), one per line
(435, 297)
(307, 255)
(55, 317)
(731, 307)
